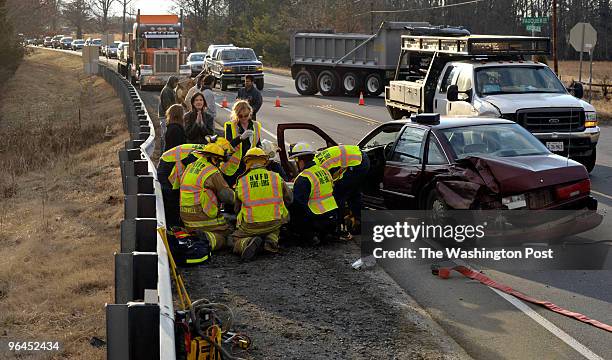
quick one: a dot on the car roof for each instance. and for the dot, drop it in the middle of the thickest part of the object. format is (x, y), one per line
(449, 122)
(198, 53)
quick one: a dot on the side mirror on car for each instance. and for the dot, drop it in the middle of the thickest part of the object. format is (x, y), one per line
(260, 58)
(452, 93)
(577, 90)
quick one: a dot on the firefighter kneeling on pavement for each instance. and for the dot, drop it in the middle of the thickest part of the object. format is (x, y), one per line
(202, 191)
(261, 196)
(314, 212)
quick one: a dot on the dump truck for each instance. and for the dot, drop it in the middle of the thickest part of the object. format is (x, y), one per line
(346, 63)
(453, 73)
(155, 51)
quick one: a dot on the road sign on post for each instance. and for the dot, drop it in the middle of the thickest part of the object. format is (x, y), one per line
(535, 20)
(533, 28)
(583, 38)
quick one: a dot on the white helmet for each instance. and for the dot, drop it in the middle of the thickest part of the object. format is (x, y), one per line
(269, 148)
(301, 149)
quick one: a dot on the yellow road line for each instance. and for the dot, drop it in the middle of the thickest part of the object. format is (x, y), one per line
(601, 194)
(351, 115)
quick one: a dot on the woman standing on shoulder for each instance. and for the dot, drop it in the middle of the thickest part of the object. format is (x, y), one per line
(243, 133)
(198, 121)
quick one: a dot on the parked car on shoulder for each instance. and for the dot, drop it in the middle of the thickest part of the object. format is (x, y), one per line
(78, 44)
(56, 41)
(66, 42)
(427, 163)
(195, 61)
(48, 41)
(98, 43)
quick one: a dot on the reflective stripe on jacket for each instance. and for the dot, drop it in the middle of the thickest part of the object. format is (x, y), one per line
(230, 167)
(341, 156)
(176, 155)
(261, 194)
(321, 198)
(197, 200)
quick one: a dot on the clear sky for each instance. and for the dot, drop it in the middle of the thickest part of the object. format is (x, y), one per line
(153, 6)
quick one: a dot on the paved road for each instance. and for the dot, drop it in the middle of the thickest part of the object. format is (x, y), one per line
(485, 323)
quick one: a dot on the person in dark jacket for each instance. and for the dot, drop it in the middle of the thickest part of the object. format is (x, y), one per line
(250, 93)
(198, 121)
(167, 98)
(175, 133)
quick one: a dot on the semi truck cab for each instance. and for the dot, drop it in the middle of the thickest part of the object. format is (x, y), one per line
(489, 76)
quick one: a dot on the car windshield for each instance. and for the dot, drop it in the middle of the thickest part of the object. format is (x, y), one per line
(500, 140)
(197, 57)
(238, 54)
(96, 42)
(112, 46)
(516, 80)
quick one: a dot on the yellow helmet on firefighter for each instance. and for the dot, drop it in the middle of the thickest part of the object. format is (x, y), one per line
(301, 149)
(255, 156)
(211, 149)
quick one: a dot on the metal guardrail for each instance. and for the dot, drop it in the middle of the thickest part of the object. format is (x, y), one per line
(140, 324)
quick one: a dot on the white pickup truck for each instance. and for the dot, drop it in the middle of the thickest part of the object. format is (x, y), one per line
(479, 75)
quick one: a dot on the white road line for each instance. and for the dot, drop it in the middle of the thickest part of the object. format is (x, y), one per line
(583, 350)
(601, 194)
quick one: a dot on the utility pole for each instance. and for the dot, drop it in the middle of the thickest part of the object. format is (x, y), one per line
(554, 30)
(371, 17)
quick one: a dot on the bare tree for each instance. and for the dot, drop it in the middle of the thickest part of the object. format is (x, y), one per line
(78, 14)
(101, 9)
(125, 4)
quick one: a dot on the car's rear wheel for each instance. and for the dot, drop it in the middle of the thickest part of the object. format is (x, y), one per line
(329, 84)
(374, 84)
(305, 83)
(351, 84)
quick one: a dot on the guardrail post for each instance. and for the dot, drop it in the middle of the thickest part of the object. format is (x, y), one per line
(140, 206)
(139, 234)
(134, 273)
(132, 331)
(140, 184)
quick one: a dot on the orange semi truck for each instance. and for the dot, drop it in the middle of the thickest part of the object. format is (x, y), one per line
(155, 51)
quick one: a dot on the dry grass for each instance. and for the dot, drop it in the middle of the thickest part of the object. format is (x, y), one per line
(60, 206)
(602, 74)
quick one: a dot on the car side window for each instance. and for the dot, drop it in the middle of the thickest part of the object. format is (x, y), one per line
(464, 82)
(409, 146)
(435, 156)
(447, 79)
(385, 136)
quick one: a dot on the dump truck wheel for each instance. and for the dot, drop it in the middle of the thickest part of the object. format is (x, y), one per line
(351, 84)
(374, 84)
(305, 83)
(328, 82)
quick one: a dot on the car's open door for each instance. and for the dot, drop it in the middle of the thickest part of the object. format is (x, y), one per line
(291, 133)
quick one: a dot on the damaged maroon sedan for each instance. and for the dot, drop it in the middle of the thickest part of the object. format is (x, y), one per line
(463, 163)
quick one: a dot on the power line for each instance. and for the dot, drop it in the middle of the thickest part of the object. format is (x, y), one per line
(421, 9)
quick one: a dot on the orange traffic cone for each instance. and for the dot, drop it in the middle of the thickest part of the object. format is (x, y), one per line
(277, 102)
(361, 101)
(224, 102)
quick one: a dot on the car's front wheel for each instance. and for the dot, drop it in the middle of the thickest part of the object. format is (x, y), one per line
(589, 161)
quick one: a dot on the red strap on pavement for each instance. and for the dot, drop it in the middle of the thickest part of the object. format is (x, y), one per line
(475, 275)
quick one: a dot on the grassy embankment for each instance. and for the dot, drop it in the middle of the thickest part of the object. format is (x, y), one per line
(60, 204)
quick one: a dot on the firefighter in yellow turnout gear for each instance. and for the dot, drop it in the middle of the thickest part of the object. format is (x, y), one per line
(261, 196)
(314, 209)
(202, 190)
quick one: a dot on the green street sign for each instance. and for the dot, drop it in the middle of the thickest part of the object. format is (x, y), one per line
(535, 20)
(534, 28)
